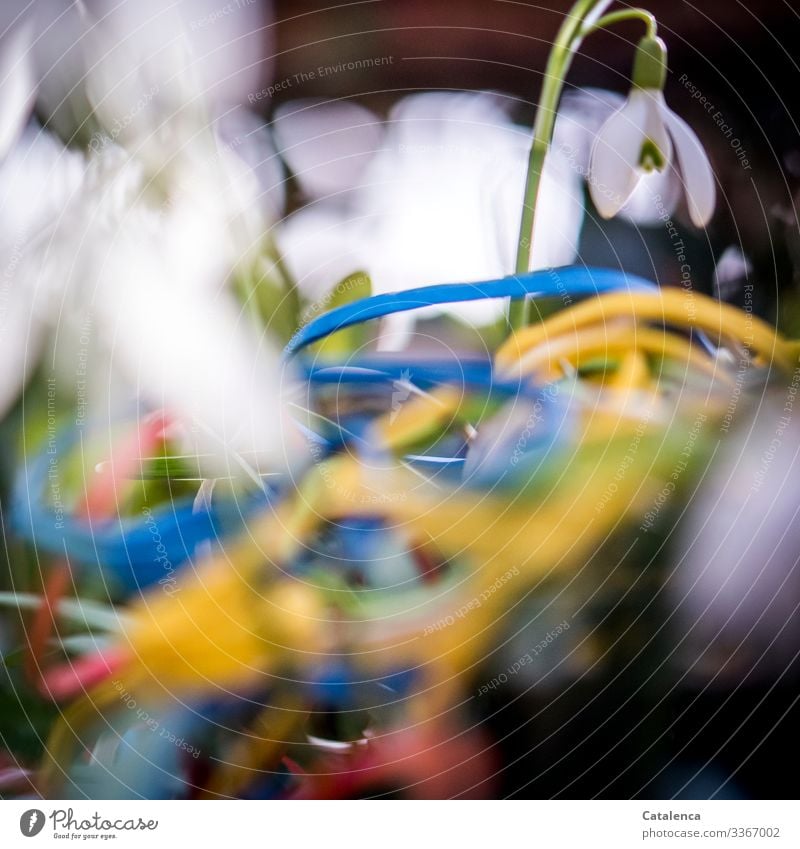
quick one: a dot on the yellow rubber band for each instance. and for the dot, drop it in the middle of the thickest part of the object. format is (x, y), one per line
(672, 306)
(598, 340)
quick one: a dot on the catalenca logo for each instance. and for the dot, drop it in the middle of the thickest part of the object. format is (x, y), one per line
(31, 822)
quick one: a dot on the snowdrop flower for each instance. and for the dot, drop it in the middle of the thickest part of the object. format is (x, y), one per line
(581, 114)
(18, 86)
(157, 73)
(146, 59)
(436, 200)
(38, 178)
(129, 246)
(638, 139)
(173, 330)
(327, 144)
(42, 60)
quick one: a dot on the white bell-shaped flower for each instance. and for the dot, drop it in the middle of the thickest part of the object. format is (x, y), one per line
(640, 137)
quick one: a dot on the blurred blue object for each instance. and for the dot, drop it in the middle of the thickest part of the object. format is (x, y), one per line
(130, 552)
(133, 553)
(565, 282)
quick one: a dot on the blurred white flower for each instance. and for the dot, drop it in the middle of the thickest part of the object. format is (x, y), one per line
(173, 330)
(41, 43)
(731, 272)
(137, 239)
(157, 72)
(735, 593)
(138, 61)
(37, 180)
(439, 201)
(638, 140)
(327, 144)
(17, 86)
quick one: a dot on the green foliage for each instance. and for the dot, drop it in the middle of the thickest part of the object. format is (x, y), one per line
(268, 293)
(354, 287)
(25, 717)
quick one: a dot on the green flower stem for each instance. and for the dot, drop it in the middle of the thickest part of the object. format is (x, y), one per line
(623, 15)
(564, 47)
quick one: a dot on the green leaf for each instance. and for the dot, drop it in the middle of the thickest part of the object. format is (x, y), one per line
(266, 291)
(280, 307)
(354, 287)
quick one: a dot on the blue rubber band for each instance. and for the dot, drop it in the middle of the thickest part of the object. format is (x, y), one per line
(132, 552)
(425, 374)
(127, 548)
(565, 282)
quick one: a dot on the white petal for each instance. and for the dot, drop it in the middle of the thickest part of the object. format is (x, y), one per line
(559, 214)
(654, 199)
(244, 134)
(38, 179)
(438, 112)
(59, 53)
(614, 168)
(438, 203)
(321, 246)
(426, 200)
(698, 178)
(581, 114)
(733, 268)
(122, 92)
(397, 332)
(193, 354)
(326, 144)
(204, 49)
(21, 342)
(17, 87)
(655, 128)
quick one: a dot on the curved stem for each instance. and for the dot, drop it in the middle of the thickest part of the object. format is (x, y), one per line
(583, 14)
(623, 15)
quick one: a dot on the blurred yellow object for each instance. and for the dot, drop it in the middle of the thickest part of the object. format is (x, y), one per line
(672, 306)
(417, 418)
(534, 535)
(615, 339)
(240, 617)
(632, 374)
(257, 750)
(237, 616)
